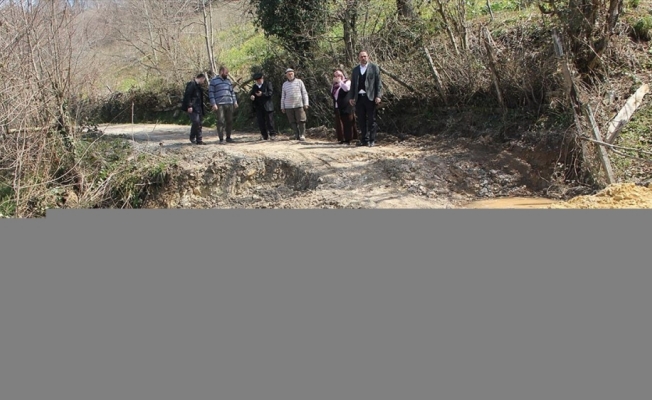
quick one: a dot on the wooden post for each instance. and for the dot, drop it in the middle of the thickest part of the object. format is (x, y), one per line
(578, 109)
(435, 74)
(492, 65)
(616, 125)
(602, 151)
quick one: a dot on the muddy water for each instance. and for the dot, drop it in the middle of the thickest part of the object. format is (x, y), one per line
(512, 202)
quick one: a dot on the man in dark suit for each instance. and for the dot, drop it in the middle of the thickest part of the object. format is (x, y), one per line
(261, 95)
(193, 104)
(365, 93)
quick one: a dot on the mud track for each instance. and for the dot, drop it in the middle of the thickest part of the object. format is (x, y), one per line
(320, 173)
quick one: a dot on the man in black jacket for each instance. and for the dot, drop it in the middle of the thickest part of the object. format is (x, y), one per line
(193, 104)
(365, 94)
(261, 95)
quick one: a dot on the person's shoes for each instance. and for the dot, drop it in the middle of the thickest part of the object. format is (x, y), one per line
(229, 140)
(302, 138)
(341, 142)
(347, 143)
(201, 143)
(272, 137)
(192, 141)
(372, 144)
(221, 141)
(361, 143)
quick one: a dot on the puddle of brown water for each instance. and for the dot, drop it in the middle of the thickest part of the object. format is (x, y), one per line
(512, 202)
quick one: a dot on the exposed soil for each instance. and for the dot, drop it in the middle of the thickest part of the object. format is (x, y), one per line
(513, 202)
(424, 172)
(622, 195)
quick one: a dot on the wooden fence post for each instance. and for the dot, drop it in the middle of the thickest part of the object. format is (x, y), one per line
(578, 109)
(634, 102)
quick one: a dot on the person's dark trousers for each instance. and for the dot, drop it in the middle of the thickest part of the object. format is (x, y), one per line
(195, 129)
(266, 123)
(344, 127)
(365, 111)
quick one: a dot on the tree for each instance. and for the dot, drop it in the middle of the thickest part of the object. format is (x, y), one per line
(154, 29)
(453, 16)
(208, 32)
(588, 25)
(347, 14)
(298, 24)
(46, 66)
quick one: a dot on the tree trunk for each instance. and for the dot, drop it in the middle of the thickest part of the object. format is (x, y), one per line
(150, 32)
(462, 29)
(208, 35)
(349, 19)
(447, 24)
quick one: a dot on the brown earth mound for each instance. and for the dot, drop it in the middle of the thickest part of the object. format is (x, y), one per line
(622, 195)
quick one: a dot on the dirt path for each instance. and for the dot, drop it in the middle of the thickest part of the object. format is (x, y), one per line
(320, 173)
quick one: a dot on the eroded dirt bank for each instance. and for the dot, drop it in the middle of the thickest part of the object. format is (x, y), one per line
(319, 173)
(621, 195)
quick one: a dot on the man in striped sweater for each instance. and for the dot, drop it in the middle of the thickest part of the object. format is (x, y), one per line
(223, 101)
(294, 103)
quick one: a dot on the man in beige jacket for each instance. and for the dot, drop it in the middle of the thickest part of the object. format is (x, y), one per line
(294, 103)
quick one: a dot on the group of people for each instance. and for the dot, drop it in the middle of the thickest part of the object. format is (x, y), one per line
(353, 99)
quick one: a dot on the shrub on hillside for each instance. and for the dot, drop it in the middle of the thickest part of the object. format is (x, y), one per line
(643, 28)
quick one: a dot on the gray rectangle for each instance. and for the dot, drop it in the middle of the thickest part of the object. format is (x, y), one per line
(330, 304)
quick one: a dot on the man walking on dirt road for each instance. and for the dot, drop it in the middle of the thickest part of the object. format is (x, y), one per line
(261, 96)
(365, 93)
(294, 103)
(223, 102)
(193, 104)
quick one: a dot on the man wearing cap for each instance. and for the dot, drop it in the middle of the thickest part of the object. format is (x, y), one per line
(366, 91)
(261, 96)
(223, 102)
(294, 103)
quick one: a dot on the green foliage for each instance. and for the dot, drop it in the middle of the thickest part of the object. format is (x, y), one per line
(127, 179)
(134, 183)
(509, 5)
(298, 24)
(637, 129)
(636, 135)
(7, 203)
(153, 102)
(127, 84)
(643, 28)
(246, 47)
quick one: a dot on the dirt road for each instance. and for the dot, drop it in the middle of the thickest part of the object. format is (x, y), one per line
(320, 173)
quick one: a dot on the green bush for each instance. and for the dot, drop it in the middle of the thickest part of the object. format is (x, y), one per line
(7, 204)
(643, 28)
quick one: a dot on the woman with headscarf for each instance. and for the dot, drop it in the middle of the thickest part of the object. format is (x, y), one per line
(344, 115)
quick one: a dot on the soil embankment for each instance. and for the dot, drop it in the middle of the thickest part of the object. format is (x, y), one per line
(425, 172)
